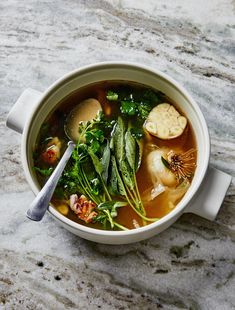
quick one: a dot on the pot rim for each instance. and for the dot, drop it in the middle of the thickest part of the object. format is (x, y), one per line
(180, 206)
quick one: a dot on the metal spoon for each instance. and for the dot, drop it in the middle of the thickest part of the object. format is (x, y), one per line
(85, 111)
(40, 204)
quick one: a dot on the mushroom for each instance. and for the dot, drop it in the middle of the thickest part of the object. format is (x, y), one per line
(165, 122)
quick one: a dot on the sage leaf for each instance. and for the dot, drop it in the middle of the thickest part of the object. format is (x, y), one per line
(105, 162)
(118, 140)
(130, 148)
(96, 162)
(120, 185)
(113, 183)
(127, 174)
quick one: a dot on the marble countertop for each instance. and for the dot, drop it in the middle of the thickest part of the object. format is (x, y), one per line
(192, 264)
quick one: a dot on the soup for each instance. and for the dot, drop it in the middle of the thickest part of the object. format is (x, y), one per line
(134, 159)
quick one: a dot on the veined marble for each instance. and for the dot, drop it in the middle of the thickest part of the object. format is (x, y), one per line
(192, 264)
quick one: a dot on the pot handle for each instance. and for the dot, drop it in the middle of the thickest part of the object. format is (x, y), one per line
(210, 194)
(23, 109)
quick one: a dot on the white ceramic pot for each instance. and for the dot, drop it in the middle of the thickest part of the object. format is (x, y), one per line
(208, 187)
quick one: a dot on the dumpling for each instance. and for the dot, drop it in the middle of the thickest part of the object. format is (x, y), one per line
(165, 122)
(158, 171)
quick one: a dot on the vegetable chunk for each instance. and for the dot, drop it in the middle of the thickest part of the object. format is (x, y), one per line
(83, 207)
(165, 122)
(52, 153)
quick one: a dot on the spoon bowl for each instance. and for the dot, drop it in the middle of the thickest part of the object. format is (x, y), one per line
(84, 111)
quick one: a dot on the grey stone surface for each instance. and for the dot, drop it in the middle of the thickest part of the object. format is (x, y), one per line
(192, 264)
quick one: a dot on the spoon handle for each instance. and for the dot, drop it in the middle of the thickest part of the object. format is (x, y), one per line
(39, 205)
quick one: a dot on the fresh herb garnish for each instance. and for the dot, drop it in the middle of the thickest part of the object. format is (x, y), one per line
(135, 103)
(107, 212)
(112, 96)
(45, 172)
(129, 108)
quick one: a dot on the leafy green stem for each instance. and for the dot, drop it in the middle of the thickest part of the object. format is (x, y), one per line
(153, 219)
(120, 226)
(84, 187)
(138, 195)
(105, 188)
(134, 198)
(88, 186)
(109, 218)
(124, 188)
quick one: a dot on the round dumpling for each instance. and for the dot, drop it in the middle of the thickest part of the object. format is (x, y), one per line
(158, 171)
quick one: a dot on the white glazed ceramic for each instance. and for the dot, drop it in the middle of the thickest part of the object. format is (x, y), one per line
(208, 187)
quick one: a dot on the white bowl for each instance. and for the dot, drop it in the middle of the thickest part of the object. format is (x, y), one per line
(38, 105)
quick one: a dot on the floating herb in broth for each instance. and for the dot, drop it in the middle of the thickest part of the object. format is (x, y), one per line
(133, 162)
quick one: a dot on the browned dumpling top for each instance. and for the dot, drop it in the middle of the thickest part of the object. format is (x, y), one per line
(165, 122)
